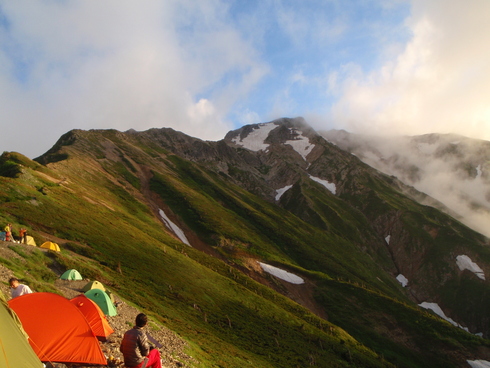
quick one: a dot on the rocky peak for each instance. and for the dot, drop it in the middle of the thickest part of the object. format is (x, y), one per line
(278, 136)
(257, 136)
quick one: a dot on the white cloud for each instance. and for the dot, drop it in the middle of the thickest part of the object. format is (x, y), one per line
(112, 64)
(418, 163)
(440, 82)
(80, 64)
(204, 121)
(248, 117)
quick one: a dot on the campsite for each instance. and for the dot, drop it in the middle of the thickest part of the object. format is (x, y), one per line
(258, 276)
(172, 350)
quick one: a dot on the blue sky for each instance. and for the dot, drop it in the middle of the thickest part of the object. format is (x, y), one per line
(303, 44)
(206, 67)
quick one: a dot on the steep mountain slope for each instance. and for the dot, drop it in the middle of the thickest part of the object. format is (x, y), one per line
(229, 319)
(448, 167)
(337, 193)
(277, 193)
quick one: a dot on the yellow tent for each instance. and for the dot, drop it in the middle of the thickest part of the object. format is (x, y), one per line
(51, 246)
(30, 241)
(93, 285)
(15, 349)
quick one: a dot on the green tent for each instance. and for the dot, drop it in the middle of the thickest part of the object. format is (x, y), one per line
(93, 285)
(101, 298)
(15, 350)
(71, 275)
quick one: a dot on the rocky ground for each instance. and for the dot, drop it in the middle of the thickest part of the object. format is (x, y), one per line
(173, 347)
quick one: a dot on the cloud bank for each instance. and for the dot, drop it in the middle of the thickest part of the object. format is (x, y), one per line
(438, 82)
(449, 168)
(399, 66)
(113, 64)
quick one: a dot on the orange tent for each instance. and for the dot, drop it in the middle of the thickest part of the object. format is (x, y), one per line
(58, 331)
(94, 316)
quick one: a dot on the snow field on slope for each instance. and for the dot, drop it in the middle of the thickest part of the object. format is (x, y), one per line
(281, 274)
(255, 140)
(465, 263)
(330, 186)
(173, 227)
(437, 310)
(281, 191)
(479, 363)
(402, 280)
(301, 145)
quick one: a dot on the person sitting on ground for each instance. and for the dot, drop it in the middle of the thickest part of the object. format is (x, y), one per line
(18, 289)
(136, 349)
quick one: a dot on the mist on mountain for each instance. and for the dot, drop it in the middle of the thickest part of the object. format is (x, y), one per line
(450, 168)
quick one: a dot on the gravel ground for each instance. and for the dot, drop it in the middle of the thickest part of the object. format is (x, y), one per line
(172, 350)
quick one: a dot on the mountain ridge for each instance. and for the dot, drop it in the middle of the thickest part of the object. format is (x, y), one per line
(214, 153)
(330, 227)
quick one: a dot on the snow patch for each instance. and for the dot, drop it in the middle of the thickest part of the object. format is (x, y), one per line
(281, 274)
(437, 310)
(402, 280)
(281, 191)
(254, 141)
(330, 186)
(172, 226)
(387, 239)
(478, 363)
(301, 144)
(465, 263)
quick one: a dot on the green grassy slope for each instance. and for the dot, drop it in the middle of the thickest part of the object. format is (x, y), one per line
(101, 200)
(230, 320)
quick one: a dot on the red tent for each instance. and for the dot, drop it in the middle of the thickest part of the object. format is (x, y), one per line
(94, 316)
(58, 331)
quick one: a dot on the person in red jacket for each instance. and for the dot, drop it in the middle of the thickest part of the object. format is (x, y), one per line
(23, 235)
(136, 349)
